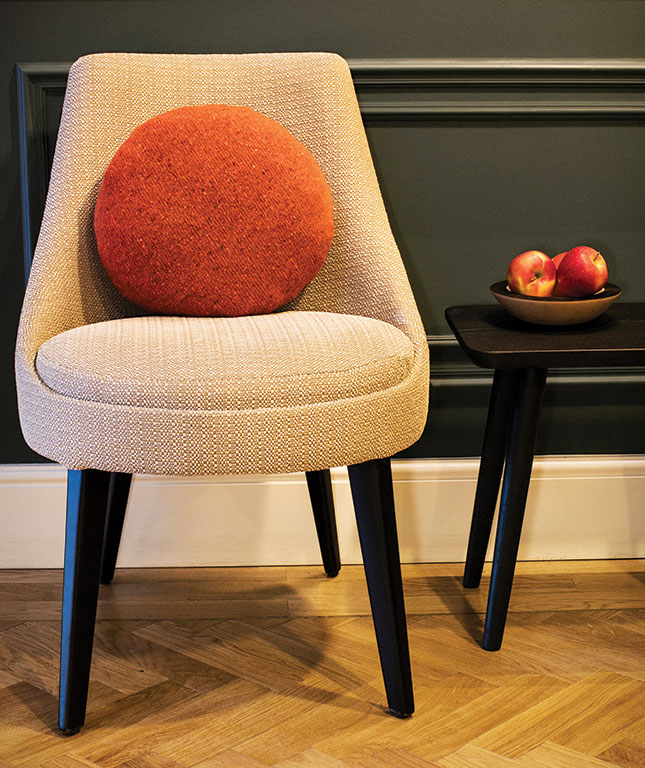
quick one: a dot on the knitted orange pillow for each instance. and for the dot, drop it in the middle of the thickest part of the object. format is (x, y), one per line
(212, 210)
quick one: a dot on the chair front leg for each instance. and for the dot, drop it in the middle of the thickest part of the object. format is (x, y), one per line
(87, 494)
(117, 502)
(371, 484)
(322, 504)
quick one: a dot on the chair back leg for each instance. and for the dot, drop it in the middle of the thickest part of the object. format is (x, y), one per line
(371, 484)
(87, 493)
(117, 502)
(322, 503)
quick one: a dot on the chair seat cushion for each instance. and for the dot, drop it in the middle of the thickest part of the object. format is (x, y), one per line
(191, 363)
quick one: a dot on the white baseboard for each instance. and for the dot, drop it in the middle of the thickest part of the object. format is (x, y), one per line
(583, 507)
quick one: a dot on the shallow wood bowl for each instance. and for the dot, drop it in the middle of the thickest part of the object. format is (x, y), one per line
(548, 310)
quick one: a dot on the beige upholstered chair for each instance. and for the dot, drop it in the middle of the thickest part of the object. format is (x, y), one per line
(339, 377)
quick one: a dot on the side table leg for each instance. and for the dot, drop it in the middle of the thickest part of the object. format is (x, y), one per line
(517, 475)
(500, 410)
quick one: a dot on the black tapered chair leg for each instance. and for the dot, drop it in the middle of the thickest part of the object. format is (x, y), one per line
(517, 476)
(117, 502)
(322, 503)
(371, 484)
(87, 493)
(491, 466)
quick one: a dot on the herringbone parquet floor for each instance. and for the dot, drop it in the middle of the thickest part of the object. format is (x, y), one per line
(245, 668)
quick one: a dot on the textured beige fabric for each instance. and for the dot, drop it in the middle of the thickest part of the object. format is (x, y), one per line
(264, 361)
(312, 96)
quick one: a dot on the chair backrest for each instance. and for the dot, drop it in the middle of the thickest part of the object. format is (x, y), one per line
(311, 94)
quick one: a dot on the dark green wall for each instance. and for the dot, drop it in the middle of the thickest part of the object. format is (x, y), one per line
(466, 190)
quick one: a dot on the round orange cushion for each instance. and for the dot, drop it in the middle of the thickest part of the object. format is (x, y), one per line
(212, 210)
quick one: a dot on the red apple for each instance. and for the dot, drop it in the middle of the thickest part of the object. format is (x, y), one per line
(557, 259)
(531, 273)
(556, 263)
(582, 271)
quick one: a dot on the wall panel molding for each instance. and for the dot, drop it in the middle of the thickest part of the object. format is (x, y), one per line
(36, 84)
(499, 88)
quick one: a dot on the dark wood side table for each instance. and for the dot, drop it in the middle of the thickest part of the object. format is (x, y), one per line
(521, 355)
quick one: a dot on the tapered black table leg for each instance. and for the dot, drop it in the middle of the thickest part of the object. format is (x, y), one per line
(517, 475)
(322, 503)
(498, 422)
(87, 493)
(371, 484)
(117, 502)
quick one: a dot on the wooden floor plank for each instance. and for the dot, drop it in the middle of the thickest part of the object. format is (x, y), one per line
(392, 758)
(549, 755)
(432, 737)
(572, 717)
(470, 756)
(306, 723)
(238, 725)
(625, 753)
(150, 760)
(41, 642)
(30, 749)
(154, 657)
(230, 759)
(68, 761)
(573, 651)
(187, 721)
(245, 651)
(310, 758)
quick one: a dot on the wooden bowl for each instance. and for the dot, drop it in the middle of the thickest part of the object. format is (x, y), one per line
(548, 310)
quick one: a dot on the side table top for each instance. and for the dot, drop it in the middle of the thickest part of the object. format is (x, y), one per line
(493, 338)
